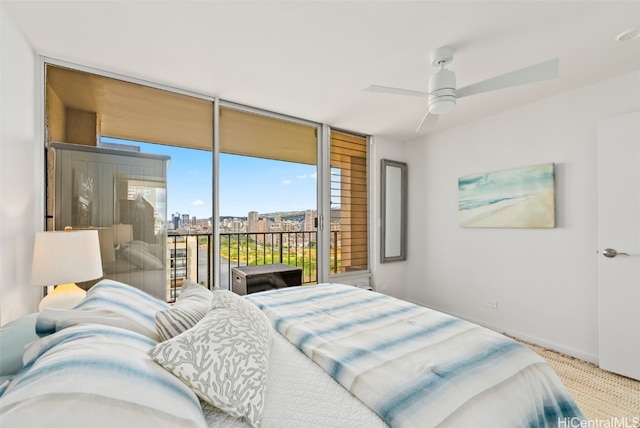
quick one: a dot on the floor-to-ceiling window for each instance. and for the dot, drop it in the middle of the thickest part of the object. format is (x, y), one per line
(136, 162)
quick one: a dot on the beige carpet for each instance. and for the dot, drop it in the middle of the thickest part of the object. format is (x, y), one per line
(603, 397)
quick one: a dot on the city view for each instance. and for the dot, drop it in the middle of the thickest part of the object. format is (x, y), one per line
(250, 240)
(288, 238)
(265, 214)
(285, 234)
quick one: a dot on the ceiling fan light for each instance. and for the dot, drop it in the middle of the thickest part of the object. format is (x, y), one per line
(442, 93)
(442, 105)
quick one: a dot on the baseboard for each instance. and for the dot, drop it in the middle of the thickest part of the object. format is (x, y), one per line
(531, 339)
(553, 346)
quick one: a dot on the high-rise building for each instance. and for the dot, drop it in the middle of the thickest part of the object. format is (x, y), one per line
(310, 220)
(252, 221)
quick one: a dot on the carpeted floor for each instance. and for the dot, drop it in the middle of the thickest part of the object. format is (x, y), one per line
(601, 395)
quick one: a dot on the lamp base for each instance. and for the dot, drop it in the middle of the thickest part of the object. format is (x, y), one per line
(64, 296)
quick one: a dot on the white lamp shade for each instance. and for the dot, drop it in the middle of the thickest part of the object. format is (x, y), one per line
(65, 257)
(122, 233)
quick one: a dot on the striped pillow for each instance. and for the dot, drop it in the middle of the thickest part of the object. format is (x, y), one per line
(190, 307)
(100, 377)
(109, 303)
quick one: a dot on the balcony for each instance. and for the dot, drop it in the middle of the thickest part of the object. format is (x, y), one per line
(190, 255)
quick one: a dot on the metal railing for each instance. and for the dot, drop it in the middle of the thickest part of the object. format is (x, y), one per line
(244, 249)
(262, 248)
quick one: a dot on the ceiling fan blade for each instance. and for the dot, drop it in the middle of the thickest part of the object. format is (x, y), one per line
(428, 121)
(534, 73)
(396, 91)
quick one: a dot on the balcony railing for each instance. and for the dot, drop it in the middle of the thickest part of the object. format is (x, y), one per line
(244, 249)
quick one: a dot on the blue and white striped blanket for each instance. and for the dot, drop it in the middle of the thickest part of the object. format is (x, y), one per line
(416, 367)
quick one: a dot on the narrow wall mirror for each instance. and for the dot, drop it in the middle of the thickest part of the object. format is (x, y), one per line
(393, 239)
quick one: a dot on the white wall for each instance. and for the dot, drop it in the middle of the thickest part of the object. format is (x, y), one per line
(21, 171)
(544, 280)
(388, 278)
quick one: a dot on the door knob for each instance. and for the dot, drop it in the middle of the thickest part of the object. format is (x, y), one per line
(611, 253)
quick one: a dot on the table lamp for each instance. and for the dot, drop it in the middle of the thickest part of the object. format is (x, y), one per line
(61, 259)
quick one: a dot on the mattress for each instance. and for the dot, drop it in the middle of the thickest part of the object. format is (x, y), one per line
(300, 394)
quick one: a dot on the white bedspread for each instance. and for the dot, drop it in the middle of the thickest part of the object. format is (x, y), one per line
(299, 394)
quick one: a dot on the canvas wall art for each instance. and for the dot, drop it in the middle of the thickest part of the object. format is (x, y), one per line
(522, 197)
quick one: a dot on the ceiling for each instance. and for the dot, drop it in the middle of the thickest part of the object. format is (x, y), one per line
(312, 59)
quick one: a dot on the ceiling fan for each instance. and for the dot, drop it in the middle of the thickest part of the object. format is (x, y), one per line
(442, 92)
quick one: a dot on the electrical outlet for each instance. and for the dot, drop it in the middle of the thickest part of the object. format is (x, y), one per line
(491, 303)
(363, 284)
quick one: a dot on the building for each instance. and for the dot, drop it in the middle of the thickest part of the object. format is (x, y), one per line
(253, 222)
(183, 261)
(310, 219)
(175, 221)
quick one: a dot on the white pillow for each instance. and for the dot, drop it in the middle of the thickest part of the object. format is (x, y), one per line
(224, 357)
(142, 258)
(190, 307)
(109, 303)
(97, 376)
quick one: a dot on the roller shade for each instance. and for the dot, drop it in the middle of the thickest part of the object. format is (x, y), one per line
(250, 134)
(126, 110)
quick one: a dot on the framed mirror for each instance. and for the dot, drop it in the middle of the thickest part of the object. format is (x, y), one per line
(393, 239)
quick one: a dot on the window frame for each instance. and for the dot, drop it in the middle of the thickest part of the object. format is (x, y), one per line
(323, 166)
(356, 277)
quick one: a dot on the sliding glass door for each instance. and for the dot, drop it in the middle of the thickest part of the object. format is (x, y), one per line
(268, 200)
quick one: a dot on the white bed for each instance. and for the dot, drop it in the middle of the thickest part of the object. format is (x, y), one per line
(300, 394)
(215, 359)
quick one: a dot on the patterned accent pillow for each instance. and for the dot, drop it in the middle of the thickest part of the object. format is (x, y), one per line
(190, 307)
(223, 358)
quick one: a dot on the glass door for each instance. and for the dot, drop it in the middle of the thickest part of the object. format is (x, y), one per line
(268, 181)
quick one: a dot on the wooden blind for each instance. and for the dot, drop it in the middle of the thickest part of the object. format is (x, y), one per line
(250, 134)
(349, 202)
(104, 106)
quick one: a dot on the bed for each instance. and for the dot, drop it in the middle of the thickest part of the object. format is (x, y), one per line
(326, 355)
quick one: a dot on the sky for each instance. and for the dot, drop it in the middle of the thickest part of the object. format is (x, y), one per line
(246, 183)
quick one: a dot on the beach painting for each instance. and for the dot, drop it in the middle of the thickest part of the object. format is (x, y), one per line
(518, 198)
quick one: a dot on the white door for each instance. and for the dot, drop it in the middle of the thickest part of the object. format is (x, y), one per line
(619, 232)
